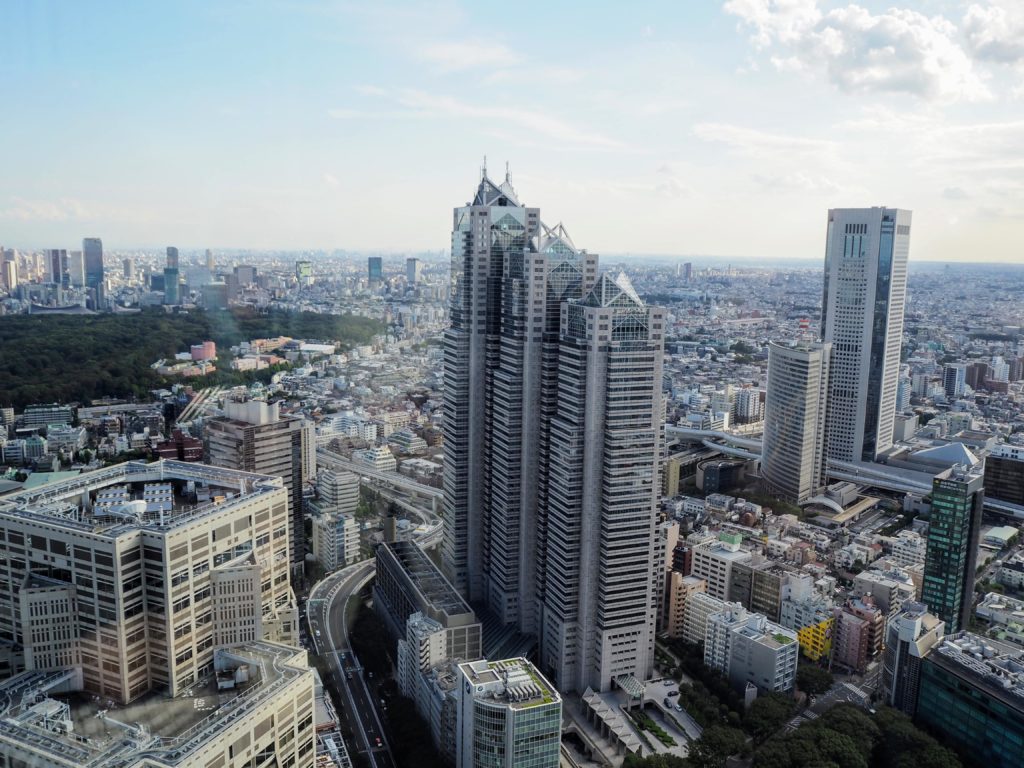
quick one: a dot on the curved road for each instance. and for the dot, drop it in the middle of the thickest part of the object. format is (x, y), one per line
(325, 611)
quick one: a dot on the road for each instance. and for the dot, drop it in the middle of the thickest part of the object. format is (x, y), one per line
(326, 610)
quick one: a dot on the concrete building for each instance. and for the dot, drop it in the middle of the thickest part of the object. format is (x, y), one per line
(749, 649)
(859, 633)
(378, 457)
(972, 692)
(408, 582)
(137, 572)
(335, 540)
(601, 584)
(255, 708)
(337, 492)
(954, 380)
(909, 548)
(862, 317)
(713, 562)
(953, 535)
(509, 716)
(695, 617)
(254, 437)
(890, 588)
(793, 457)
(909, 636)
(680, 590)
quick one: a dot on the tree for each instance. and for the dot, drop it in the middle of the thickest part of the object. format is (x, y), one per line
(813, 680)
(654, 761)
(716, 744)
(767, 714)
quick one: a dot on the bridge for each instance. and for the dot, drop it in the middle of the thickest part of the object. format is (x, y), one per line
(374, 476)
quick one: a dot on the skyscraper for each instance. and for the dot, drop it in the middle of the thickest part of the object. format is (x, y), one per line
(92, 250)
(598, 515)
(954, 530)
(57, 270)
(129, 269)
(254, 437)
(413, 270)
(375, 269)
(509, 276)
(793, 460)
(172, 282)
(531, 444)
(862, 316)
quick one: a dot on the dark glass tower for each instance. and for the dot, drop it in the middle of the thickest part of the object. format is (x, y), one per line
(92, 254)
(953, 534)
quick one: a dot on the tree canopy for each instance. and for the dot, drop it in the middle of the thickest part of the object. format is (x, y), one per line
(78, 358)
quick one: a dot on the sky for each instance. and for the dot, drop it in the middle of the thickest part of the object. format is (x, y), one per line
(677, 128)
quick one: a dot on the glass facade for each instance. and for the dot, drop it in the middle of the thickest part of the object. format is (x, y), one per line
(980, 724)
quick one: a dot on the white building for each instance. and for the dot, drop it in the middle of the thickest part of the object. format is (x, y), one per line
(335, 540)
(713, 563)
(909, 547)
(379, 457)
(749, 649)
(699, 607)
(862, 317)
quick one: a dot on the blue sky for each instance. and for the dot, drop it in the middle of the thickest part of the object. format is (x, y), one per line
(720, 128)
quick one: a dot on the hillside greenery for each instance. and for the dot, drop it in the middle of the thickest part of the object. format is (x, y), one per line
(80, 358)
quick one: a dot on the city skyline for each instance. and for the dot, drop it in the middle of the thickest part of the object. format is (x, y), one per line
(779, 108)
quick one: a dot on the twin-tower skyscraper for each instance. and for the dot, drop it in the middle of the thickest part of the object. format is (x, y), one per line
(553, 430)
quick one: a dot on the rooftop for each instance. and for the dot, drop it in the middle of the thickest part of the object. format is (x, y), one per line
(73, 502)
(46, 710)
(997, 668)
(515, 683)
(427, 578)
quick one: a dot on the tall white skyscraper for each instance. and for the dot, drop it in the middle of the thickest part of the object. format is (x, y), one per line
(793, 457)
(862, 317)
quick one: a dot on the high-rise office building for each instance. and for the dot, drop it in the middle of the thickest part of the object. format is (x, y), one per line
(509, 276)
(211, 262)
(57, 271)
(1004, 474)
(76, 269)
(375, 269)
(413, 270)
(304, 272)
(254, 437)
(92, 249)
(9, 274)
(172, 279)
(129, 269)
(793, 460)
(862, 316)
(552, 440)
(954, 380)
(598, 517)
(954, 530)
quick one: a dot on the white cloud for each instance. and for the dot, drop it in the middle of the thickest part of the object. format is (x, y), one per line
(532, 121)
(895, 51)
(996, 31)
(63, 209)
(797, 182)
(331, 180)
(756, 143)
(460, 56)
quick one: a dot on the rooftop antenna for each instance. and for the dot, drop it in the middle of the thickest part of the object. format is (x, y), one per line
(483, 169)
(508, 175)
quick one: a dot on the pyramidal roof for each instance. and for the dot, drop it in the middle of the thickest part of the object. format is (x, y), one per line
(613, 292)
(951, 453)
(555, 234)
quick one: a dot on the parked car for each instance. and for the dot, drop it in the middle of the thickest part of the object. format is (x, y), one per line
(673, 693)
(668, 703)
